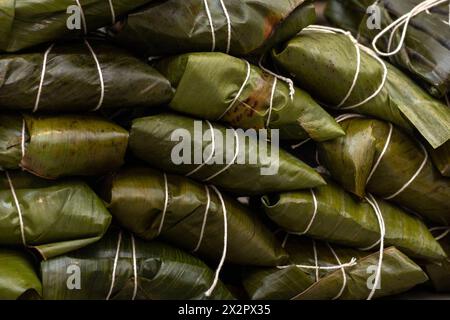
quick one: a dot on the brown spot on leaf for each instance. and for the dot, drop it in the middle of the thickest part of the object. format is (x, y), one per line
(249, 111)
(270, 22)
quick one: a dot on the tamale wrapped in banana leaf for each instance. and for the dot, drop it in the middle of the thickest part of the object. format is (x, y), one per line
(441, 158)
(79, 76)
(50, 217)
(238, 27)
(344, 280)
(378, 158)
(55, 146)
(331, 214)
(26, 23)
(242, 95)
(326, 65)
(426, 50)
(18, 277)
(120, 267)
(439, 271)
(228, 158)
(190, 215)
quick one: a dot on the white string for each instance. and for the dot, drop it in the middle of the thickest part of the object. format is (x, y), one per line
(383, 152)
(22, 143)
(406, 185)
(371, 246)
(383, 81)
(272, 95)
(443, 235)
(205, 215)
(316, 156)
(316, 259)
(283, 244)
(402, 21)
(224, 210)
(347, 116)
(298, 145)
(133, 247)
(227, 16)
(247, 77)
(335, 267)
(116, 259)
(289, 82)
(385, 147)
(358, 47)
(19, 209)
(338, 119)
(373, 202)
(41, 83)
(316, 266)
(344, 275)
(236, 153)
(213, 34)
(100, 75)
(315, 206)
(213, 148)
(166, 202)
(83, 18)
(340, 265)
(113, 14)
(358, 56)
(225, 242)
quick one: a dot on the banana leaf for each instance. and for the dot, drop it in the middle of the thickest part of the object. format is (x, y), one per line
(69, 79)
(426, 50)
(325, 65)
(162, 272)
(54, 217)
(18, 278)
(441, 158)
(259, 105)
(178, 26)
(398, 274)
(343, 219)
(239, 165)
(56, 146)
(352, 158)
(439, 271)
(137, 198)
(26, 23)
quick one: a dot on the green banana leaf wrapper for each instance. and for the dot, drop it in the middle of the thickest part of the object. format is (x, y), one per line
(220, 78)
(439, 271)
(57, 217)
(441, 158)
(178, 26)
(65, 145)
(398, 274)
(137, 198)
(163, 272)
(325, 65)
(72, 81)
(426, 50)
(350, 160)
(26, 23)
(341, 218)
(18, 277)
(166, 140)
